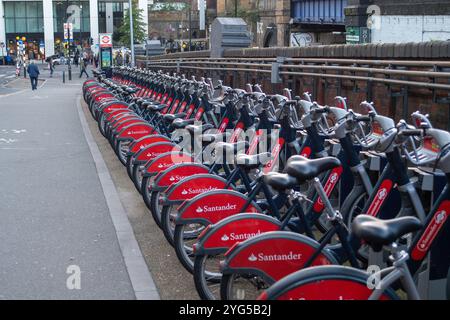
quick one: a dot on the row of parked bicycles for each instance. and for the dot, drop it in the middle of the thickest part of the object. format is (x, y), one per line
(277, 197)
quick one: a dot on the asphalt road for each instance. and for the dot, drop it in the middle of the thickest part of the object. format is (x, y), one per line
(172, 280)
(53, 212)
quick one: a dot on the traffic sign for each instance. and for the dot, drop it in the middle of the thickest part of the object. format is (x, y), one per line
(105, 40)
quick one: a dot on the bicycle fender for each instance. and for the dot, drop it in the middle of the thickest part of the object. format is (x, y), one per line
(165, 161)
(154, 150)
(135, 131)
(145, 142)
(166, 178)
(213, 206)
(274, 255)
(192, 186)
(219, 237)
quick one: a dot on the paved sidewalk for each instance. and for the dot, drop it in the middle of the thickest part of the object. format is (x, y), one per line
(53, 210)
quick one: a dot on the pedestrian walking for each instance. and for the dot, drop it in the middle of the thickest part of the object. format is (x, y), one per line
(51, 66)
(96, 60)
(119, 59)
(83, 64)
(33, 72)
(76, 58)
(18, 66)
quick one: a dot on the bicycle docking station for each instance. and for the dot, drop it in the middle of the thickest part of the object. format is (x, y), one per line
(433, 276)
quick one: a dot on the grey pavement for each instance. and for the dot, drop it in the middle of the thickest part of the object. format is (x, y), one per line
(53, 211)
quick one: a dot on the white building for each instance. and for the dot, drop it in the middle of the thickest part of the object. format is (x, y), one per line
(40, 22)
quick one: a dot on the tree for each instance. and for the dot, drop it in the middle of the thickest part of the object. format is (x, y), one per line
(123, 32)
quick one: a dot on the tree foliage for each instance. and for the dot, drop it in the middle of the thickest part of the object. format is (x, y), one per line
(122, 34)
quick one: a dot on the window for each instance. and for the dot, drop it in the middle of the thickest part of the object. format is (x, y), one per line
(64, 11)
(24, 17)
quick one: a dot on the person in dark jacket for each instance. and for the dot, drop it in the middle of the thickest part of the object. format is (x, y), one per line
(33, 72)
(83, 66)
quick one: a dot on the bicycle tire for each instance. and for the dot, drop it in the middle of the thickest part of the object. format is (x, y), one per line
(229, 279)
(324, 283)
(184, 253)
(166, 225)
(201, 281)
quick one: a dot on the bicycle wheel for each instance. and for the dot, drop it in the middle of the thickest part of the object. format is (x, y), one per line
(354, 209)
(123, 147)
(152, 199)
(207, 276)
(185, 236)
(167, 220)
(325, 283)
(237, 286)
(138, 176)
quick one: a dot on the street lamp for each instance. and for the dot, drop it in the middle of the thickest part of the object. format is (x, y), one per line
(81, 22)
(130, 10)
(190, 26)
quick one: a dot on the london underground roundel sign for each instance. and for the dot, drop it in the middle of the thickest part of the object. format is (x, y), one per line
(105, 40)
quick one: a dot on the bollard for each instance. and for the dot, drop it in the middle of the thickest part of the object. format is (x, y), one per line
(64, 77)
(24, 72)
(70, 71)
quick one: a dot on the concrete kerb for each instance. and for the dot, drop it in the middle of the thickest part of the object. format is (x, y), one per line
(141, 280)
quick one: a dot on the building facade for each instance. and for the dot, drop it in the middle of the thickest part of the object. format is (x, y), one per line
(399, 21)
(40, 23)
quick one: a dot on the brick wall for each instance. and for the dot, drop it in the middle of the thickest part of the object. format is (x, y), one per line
(324, 92)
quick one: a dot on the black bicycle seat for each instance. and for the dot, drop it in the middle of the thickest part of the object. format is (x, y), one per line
(280, 181)
(180, 123)
(172, 117)
(377, 232)
(307, 169)
(231, 148)
(250, 162)
(212, 137)
(156, 107)
(194, 128)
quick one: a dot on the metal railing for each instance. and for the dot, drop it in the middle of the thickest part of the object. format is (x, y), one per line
(400, 77)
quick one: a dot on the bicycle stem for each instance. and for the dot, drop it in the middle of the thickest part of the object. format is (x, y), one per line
(322, 194)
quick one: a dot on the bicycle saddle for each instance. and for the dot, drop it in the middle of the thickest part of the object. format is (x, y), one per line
(250, 162)
(377, 232)
(306, 169)
(180, 123)
(231, 148)
(156, 107)
(172, 117)
(280, 181)
(203, 127)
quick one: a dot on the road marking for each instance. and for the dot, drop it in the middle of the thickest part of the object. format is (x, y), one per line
(140, 277)
(11, 94)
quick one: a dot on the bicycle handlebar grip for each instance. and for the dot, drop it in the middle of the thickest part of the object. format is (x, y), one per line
(363, 118)
(320, 110)
(411, 132)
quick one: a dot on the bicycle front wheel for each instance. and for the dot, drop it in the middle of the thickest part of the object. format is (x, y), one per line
(325, 283)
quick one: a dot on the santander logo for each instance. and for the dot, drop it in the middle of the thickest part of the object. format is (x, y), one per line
(207, 209)
(430, 234)
(382, 194)
(176, 178)
(197, 191)
(137, 132)
(239, 236)
(261, 257)
(441, 217)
